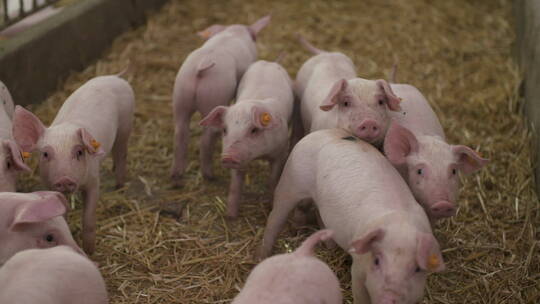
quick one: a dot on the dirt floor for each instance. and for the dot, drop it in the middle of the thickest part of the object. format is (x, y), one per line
(458, 53)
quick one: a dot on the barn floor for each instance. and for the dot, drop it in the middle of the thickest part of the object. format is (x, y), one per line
(457, 52)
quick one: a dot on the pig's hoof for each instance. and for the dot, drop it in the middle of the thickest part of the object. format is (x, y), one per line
(119, 186)
(177, 181)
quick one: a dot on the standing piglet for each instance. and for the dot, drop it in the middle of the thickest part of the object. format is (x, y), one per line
(208, 78)
(333, 97)
(96, 118)
(256, 126)
(370, 209)
(51, 276)
(293, 278)
(11, 160)
(32, 220)
(415, 144)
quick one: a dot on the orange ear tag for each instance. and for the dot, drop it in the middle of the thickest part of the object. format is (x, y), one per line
(265, 119)
(95, 144)
(433, 262)
(26, 155)
(206, 34)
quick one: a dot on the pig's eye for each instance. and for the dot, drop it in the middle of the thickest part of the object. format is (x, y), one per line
(417, 269)
(420, 171)
(45, 155)
(80, 153)
(49, 238)
(376, 261)
(224, 131)
(346, 104)
(454, 171)
(381, 102)
(254, 131)
(8, 164)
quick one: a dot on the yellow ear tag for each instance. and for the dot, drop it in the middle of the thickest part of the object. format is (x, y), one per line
(26, 154)
(433, 262)
(266, 119)
(95, 144)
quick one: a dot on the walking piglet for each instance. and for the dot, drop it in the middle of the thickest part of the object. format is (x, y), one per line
(297, 277)
(208, 78)
(51, 276)
(256, 126)
(32, 220)
(94, 120)
(415, 144)
(332, 96)
(370, 209)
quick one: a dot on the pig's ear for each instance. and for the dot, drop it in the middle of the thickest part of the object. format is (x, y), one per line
(399, 143)
(38, 211)
(53, 195)
(469, 161)
(27, 129)
(90, 143)
(333, 97)
(263, 119)
(215, 118)
(391, 98)
(258, 25)
(211, 31)
(428, 253)
(365, 243)
(15, 156)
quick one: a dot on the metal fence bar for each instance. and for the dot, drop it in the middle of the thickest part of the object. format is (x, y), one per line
(7, 20)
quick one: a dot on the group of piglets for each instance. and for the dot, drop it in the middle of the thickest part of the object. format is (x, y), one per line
(375, 164)
(94, 120)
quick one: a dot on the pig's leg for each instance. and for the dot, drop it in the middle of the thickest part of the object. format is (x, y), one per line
(235, 193)
(207, 144)
(287, 195)
(330, 243)
(91, 196)
(119, 153)
(181, 141)
(358, 280)
(297, 126)
(276, 167)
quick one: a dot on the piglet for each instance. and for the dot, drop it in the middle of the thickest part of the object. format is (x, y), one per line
(94, 120)
(332, 96)
(11, 160)
(33, 220)
(256, 126)
(365, 202)
(51, 276)
(208, 78)
(297, 277)
(415, 144)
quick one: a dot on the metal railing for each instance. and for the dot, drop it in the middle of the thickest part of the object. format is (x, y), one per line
(12, 11)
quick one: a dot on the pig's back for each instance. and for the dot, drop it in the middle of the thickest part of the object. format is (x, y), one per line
(237, 42)
(287, 279)
(416, 114)
(267, 80)
(355, 182)
(319, 77)
(98, 105)
(51, 276)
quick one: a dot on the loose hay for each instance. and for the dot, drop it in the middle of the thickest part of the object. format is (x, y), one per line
(456, 52)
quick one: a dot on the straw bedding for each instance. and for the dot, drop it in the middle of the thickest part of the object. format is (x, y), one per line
(156, 244)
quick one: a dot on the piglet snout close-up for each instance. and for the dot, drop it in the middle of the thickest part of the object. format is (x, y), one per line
(65, 185)
(443, 209)
(368, 130)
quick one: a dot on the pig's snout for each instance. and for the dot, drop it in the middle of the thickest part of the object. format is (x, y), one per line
(443, 209)
(368, 130)
(230, 162)
(65, 185)
(389, 298)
